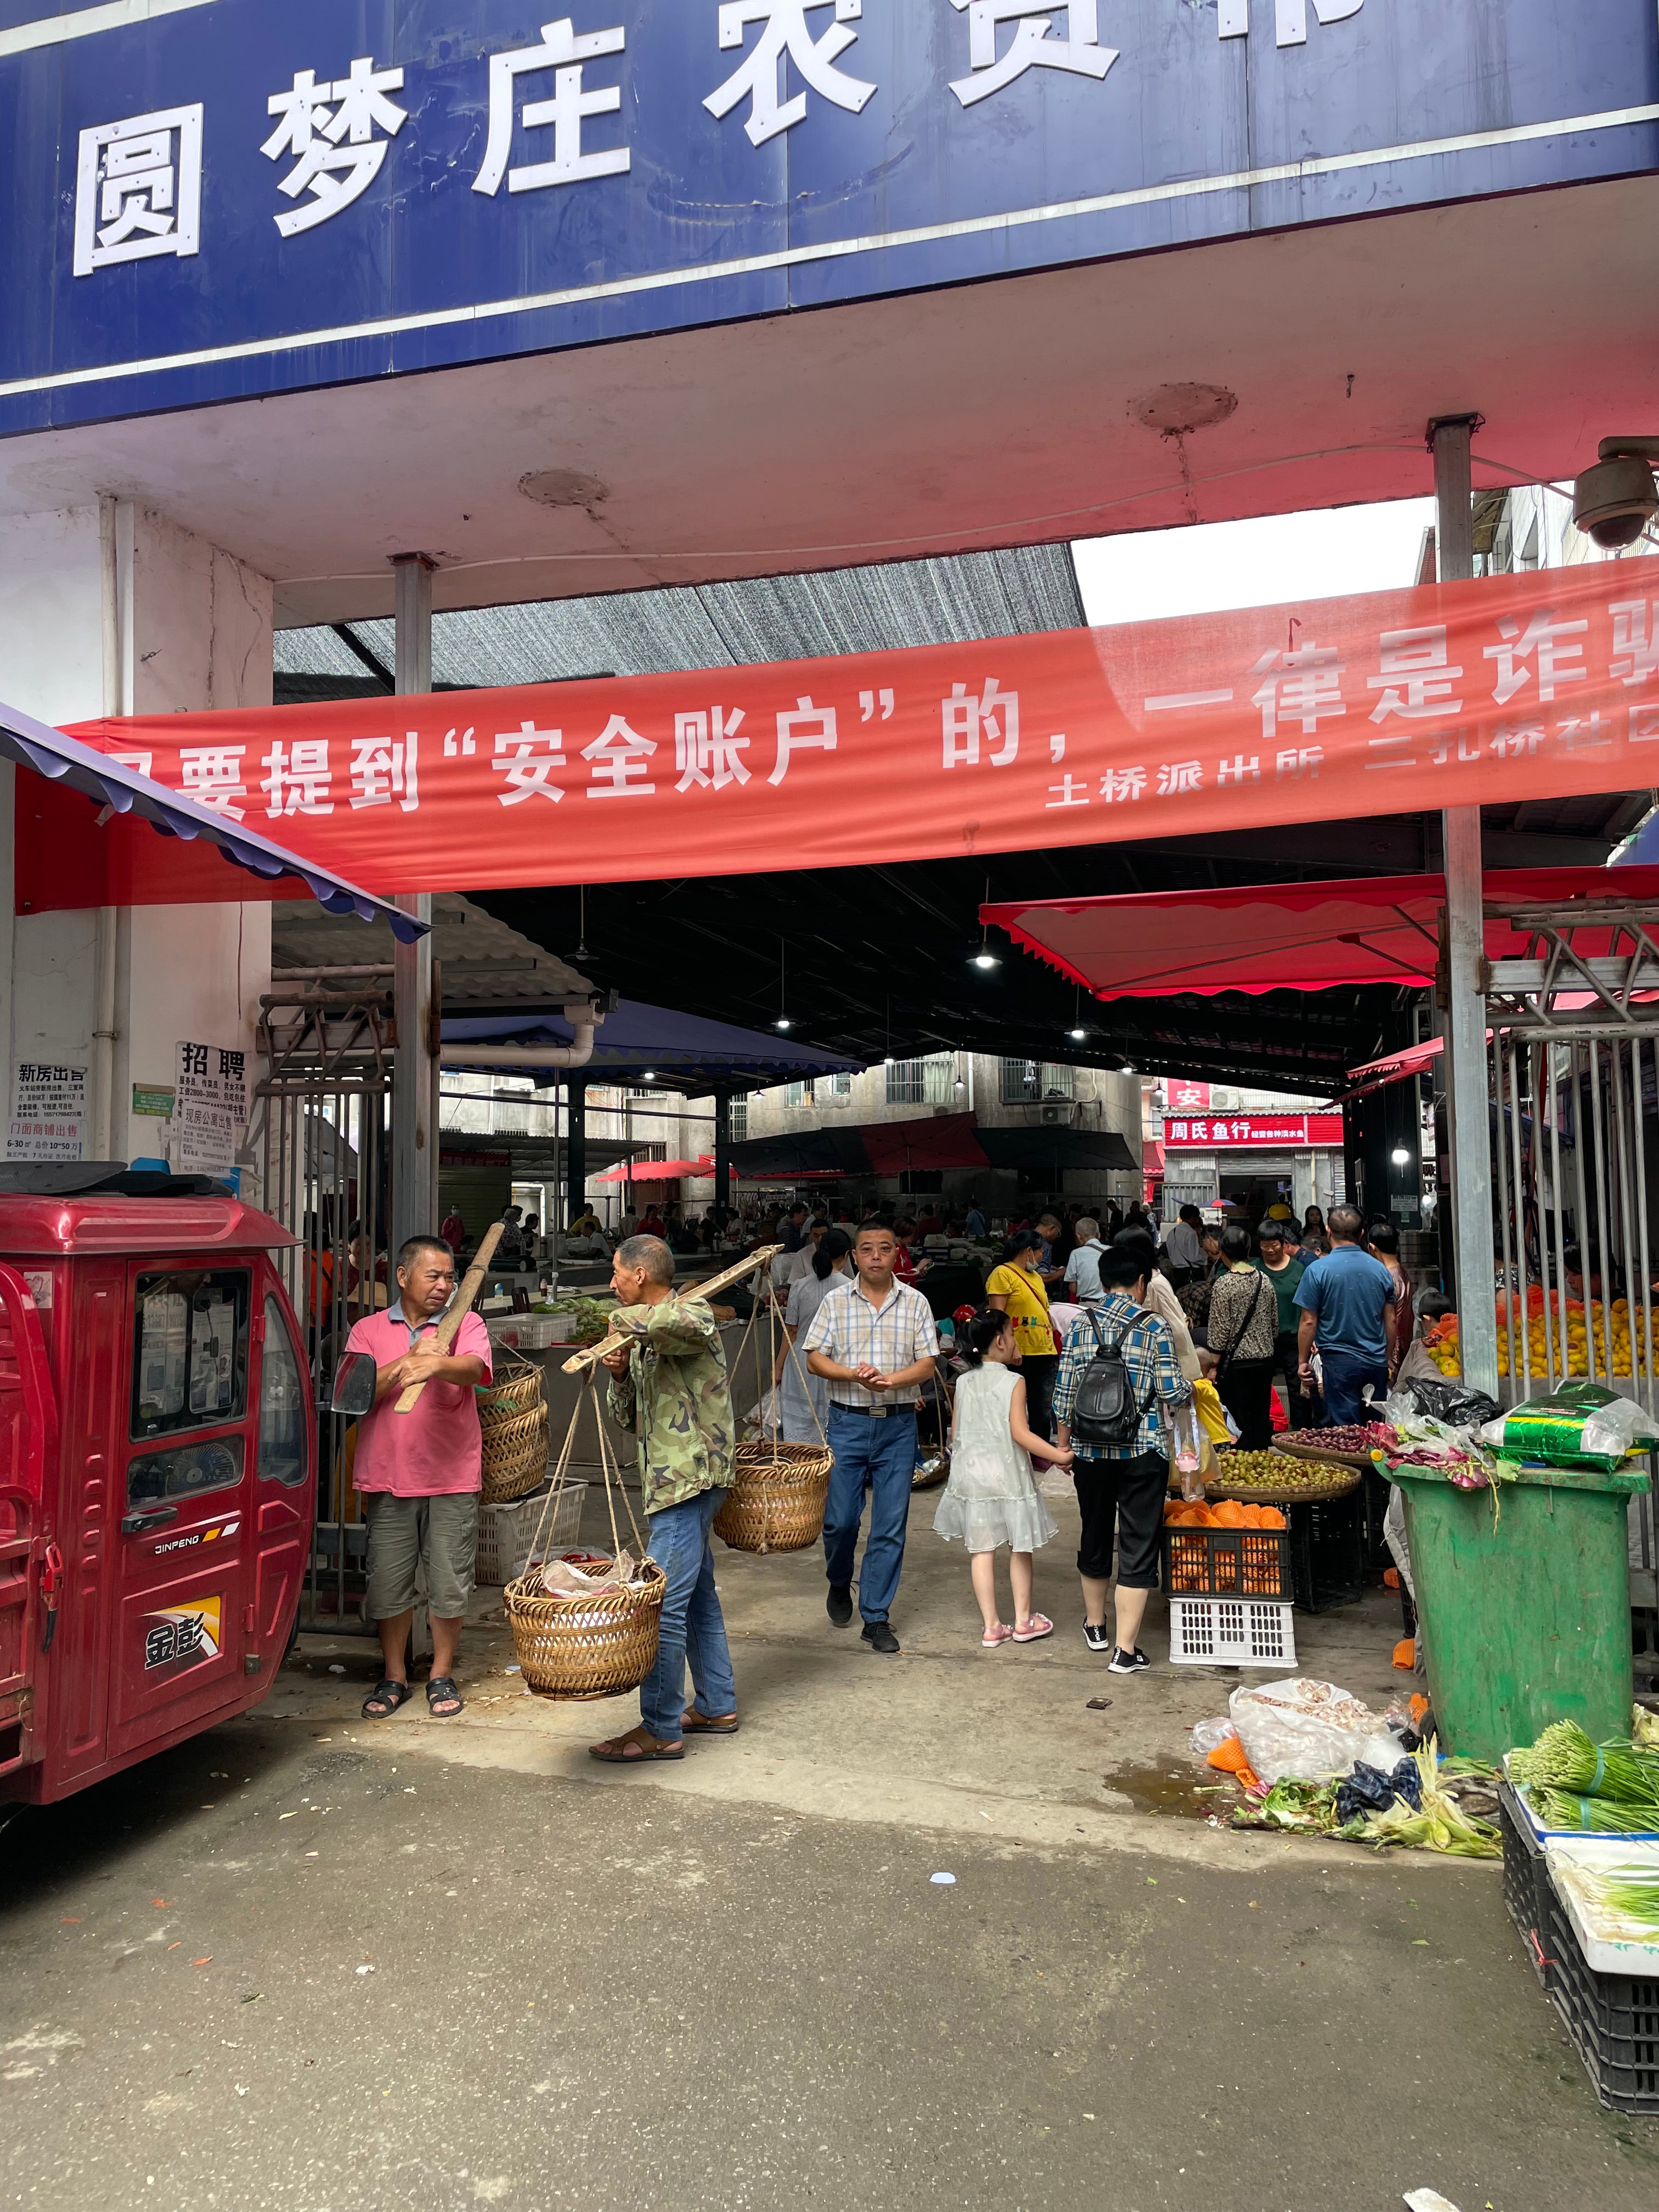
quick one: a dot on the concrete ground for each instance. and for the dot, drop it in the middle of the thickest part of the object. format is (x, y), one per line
(309, 1961)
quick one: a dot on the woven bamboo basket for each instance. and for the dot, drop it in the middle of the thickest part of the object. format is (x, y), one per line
(1324, 1480)
(515, 1387)
(577, 1648)
(937, 1471)
(515, 1455)
(777, 1497)
(1289, 1446)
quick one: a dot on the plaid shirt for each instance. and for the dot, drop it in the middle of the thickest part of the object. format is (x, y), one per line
(849, 1330)
(1155, 1376)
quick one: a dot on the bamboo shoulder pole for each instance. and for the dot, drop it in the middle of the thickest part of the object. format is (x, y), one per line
(459, 1306)
(590, 1354)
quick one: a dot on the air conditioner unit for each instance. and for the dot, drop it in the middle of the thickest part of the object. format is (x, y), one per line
(1053, 1115)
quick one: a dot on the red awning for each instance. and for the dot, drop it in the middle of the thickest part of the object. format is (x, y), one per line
(655, 1170)
(1279, 937)
(1151, 1157)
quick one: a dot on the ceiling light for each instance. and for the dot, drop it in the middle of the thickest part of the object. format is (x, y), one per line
(649, 1075)
(1077, 1035)
(984, 959)
(1129, 1068)
(783, 1022)
(1401, 1157)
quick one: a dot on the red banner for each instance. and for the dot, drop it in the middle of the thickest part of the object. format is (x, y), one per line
(1535, 686)
(1207, 1133)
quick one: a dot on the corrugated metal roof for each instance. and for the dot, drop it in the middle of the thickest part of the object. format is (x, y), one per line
(942, 602)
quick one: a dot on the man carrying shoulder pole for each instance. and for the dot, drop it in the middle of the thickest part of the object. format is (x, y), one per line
(874, 1343)
(670, 1387)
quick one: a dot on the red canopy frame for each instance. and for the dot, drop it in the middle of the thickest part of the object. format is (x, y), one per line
(1288, 937)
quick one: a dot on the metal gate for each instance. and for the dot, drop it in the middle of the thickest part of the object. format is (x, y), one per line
(1573, 1066)
(321, 1132)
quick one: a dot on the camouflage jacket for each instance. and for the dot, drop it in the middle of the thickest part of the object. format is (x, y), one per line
(675, 1399)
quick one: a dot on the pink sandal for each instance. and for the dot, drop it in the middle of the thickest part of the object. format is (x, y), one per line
(1000, 1634)
(1035, 1630)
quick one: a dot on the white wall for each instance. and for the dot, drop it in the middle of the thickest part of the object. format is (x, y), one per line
(103, 609)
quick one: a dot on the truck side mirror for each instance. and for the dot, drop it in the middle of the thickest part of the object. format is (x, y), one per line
(354, 1379)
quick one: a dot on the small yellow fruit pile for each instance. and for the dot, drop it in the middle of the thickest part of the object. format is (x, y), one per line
(1614, 1348)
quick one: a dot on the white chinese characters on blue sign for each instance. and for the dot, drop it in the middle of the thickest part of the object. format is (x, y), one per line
(566, 54)
(138, 188)
(330, 130)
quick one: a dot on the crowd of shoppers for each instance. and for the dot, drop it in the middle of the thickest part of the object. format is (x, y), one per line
(1320, 1312)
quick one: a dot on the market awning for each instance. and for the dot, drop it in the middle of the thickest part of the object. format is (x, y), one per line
(1279, 936)
(637, 1042)
(931, 1143)
(1041, 1153)
(78, 767)
(643, 1170)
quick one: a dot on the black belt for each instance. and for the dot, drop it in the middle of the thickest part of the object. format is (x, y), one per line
(875, 1413)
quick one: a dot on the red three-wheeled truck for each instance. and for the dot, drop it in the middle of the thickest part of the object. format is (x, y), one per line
(158, 1445)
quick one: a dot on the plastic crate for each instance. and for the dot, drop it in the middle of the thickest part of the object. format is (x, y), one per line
(1248, 1563)
(506, 1533)
(1231, 1631)
(1526, 1891)
(1612, 2019)
(1328, 1552)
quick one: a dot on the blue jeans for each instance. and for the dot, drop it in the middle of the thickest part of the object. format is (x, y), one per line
(880, 1456)
(692, 1626)
(1346, 1373)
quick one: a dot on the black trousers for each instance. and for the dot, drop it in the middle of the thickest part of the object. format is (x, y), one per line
(1040, 1370)
(1247, 1387)
(1299, 1395)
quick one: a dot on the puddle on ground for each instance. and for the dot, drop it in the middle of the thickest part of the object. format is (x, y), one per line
(1187, 1792)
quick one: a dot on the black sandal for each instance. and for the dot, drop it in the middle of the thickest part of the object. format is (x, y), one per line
(441, 1691)
(384, 1700)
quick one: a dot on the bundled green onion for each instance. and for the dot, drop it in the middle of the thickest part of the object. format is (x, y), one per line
(1558, 1808)
(1629, 1891)
(1565, 1759)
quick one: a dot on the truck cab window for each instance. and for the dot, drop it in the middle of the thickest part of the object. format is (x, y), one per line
(189, 1351)
(281, 1405)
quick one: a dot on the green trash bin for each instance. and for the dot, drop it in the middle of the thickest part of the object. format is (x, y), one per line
(1525, 1615)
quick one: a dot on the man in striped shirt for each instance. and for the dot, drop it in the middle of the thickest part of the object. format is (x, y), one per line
(874, 1343)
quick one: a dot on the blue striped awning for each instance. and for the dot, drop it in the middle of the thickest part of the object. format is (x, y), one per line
(67, 761)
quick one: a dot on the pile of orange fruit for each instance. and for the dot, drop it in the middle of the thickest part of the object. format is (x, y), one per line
(1198, 1514)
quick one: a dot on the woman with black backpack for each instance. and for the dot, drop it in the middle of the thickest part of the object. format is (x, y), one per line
(1123, 1405)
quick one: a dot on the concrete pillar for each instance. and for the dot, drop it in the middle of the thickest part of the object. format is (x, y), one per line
(1466, 976)
(722, 1151)
(575, 1180)
(112, 609)
(414, 1071)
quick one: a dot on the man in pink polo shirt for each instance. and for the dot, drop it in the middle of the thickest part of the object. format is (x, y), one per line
(419, 1473)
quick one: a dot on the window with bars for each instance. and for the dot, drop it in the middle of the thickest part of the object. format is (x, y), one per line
(1025, 1082)
(938, 1078)
(905, 1082)
(799, 1094)
(841, 1086)
(739, 1121)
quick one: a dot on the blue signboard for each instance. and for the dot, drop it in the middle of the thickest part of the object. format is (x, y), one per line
(235, 197)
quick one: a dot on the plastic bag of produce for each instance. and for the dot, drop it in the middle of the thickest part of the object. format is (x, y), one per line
(1308, 1730)
(1575, 1424)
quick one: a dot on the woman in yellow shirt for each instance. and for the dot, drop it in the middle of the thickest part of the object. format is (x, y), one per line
(1015, 1288)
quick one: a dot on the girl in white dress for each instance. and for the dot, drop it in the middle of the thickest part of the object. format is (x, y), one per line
(991, 1498)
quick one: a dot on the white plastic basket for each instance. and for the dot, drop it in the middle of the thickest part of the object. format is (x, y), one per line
(506, 1533)
(1231, 1631)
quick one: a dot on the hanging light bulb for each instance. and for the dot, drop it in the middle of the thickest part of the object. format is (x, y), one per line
(1077, 1035)
(984, 958)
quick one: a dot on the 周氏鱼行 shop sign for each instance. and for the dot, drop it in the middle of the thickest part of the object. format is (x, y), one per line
(221, 197)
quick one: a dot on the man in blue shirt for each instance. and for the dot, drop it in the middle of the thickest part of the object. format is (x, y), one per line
(1347, 1309)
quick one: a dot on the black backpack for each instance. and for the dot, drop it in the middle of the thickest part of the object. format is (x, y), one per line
(1104, 1410)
